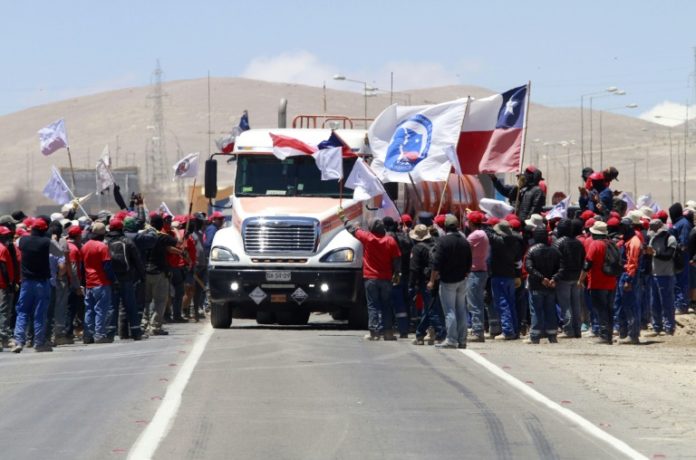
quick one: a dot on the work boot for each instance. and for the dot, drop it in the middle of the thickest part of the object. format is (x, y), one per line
(17, 348)
(389, 335)
(372, 336)
(553, 339)
(418, 341)
(476, 338)
(430, 336)
(43, 348)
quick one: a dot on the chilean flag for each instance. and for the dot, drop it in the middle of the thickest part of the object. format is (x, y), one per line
(492, 131)
(335, 141)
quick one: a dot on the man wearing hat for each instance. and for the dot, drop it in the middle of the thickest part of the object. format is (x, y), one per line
(419, 275)
(543, 263)
(35, 292)
(217, 219)
(600, 198)
(506, 257)
(400, 291)
(99, 277)
(530, 199)
(451, 265)
(628, 293)
(381, 265)
(662, 248)
(600, 285)
(476, 281)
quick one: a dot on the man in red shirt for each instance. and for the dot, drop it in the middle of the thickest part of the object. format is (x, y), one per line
(98, 278)
(76, 302)
(381, 264)
(7, 277)
(600, 285)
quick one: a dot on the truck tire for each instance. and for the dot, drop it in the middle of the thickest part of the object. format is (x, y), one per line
(292, 318)
(340, 315)
(265, 317)
(357, 316)
(221, 315)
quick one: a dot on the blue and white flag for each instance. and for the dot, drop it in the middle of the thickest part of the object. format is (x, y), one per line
(244, 122)
(56, 189)
(560, 210)
(330, 163)
(53, 137)
(412, 143)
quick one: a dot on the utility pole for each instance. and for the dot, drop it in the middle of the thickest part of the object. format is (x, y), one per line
(157, 151)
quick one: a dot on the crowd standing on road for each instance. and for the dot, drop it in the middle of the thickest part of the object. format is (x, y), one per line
(599, 269)
(94, 278)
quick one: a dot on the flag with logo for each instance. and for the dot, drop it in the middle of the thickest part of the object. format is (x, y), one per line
(53, 137)
(187, 166)
(56, 189)
(495, 208)
(105, 179)
(559, 210)
(492, 133)
(411, 142)
(364, 183)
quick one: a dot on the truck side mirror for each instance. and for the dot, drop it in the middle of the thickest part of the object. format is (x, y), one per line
(211, 179)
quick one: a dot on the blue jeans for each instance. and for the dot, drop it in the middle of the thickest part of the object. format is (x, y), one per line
(378, 296)
(663, 304)
(34, 297)
(400, 306)
(681, 286)
(124, 293)
(568, 297)
(542, 304)
(98, 312)
(453, 298)
(475, 290)
(503, 290)
(628, 308)
(602, 301)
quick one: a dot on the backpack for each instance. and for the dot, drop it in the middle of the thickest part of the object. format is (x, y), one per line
(612, 260)
(662, 251)
(679, 262)
(119, 256)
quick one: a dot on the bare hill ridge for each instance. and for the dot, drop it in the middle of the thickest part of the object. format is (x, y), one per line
(123, 119)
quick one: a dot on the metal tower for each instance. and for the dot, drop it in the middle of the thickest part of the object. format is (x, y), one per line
(157, 162)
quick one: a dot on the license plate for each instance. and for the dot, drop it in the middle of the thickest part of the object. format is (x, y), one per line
(279, 298)
(277, 276)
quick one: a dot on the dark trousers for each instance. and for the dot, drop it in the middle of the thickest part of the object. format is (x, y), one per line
(602, 301)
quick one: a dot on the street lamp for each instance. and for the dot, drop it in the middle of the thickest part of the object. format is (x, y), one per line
(601, 142)
(684, 120)
(611, 89)
(365, 89)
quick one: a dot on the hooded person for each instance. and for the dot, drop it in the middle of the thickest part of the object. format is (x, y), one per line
(600, 198)
(628, 312)
(681, 228)
(662, 247)
(419, 274)
(568, 291)
(400, 290)
(530, 199)
(542, 264)
(381, 270)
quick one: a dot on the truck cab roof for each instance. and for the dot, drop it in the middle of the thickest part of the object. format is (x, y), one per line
(259, 140)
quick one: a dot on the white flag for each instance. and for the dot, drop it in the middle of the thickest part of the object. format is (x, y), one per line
(330, 163)
(388, 209)
(630, 204)
(560, 210)
(647, 200)
(164, 209)
(495, 208)
(56, 189)
(53, 137)
(105, 178)
(364, 183)
(187, 166)
(451, 152)
(415, 140)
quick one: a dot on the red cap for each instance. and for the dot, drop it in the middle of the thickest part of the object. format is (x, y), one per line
(4, 231)
(589, 223)
(153, 214)
(492, 221)
(216, 215)
(115, 224)
(406, 219)
(75, 231)
(21, 232)
(596, 176)
(121, 215)
(476, 217)
(587, 214)
(28, 222)
(440, 220)
(40, 225)
(615, 214)
(646, 224)
(661, 214)
(516, 224)
(613, 222)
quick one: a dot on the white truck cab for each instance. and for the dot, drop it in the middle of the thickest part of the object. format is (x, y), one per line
(285, 252)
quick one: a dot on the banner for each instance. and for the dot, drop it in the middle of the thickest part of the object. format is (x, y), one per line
(187, 166)
(363, 182)
(53, 137)
(56, 189)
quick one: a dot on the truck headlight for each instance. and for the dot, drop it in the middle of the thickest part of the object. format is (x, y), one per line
(339, 255)
(219, 254)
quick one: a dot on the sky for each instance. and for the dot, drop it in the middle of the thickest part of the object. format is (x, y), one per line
(57, 50)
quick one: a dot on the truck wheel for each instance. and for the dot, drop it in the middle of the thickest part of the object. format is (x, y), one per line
(221, 315)
(340, 315)
(265, 317)
(292, 318)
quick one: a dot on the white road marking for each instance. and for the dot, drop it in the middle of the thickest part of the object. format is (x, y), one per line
(578, 420)
(148, 441)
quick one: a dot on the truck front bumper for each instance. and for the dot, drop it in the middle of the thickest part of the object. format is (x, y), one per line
(313, 289)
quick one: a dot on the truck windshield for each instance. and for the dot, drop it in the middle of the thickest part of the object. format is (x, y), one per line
(263, 175)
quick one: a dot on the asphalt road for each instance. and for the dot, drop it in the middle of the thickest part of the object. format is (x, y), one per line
(317, 392)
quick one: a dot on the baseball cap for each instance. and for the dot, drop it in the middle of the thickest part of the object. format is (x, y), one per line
(98, 228)
(476, 217)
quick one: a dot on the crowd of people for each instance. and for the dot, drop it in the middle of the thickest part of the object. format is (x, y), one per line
(96, 277)
(599, 269)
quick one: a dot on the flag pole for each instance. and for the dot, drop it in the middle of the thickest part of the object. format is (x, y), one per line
(442, 197)
(524, 141)
(415, 189)
(72, 170)
(73, 195)
(190, 208)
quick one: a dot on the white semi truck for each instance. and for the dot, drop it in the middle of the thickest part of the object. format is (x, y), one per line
(285, 252)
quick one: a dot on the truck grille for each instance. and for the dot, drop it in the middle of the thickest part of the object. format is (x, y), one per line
(280, 235)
